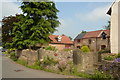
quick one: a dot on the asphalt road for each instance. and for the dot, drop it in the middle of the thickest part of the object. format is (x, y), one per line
(11, 69)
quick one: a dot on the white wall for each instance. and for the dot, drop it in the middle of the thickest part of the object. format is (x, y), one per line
(115, 28)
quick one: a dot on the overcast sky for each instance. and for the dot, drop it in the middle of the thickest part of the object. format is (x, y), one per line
(74, 16)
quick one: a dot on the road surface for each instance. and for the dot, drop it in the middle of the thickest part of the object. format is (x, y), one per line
(11, 69)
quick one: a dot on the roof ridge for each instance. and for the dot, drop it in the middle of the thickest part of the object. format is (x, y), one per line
(97, 30)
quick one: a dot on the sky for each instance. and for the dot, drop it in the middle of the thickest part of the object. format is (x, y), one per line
(74, 16)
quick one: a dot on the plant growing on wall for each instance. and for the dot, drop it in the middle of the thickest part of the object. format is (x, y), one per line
(38, 21)
(85, 49)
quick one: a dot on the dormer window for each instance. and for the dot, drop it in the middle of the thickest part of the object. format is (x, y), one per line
(104, 35)
(59, 38)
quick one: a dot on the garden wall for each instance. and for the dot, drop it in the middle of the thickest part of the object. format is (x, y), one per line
(85, 61)
(31, 56)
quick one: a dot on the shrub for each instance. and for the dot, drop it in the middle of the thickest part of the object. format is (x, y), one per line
(52, 48)
(104, 51)
(13, 57)
(49, 61)
(109, 57)
(118, 56)
(6, 52)
(85, 49)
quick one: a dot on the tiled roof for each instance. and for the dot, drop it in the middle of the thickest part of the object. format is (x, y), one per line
(64, 40)
(93, 34)
(80, 36)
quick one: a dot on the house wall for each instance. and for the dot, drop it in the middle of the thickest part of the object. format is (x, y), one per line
(61, 46)
(76, 43)
(105, 42)
(114, 28)
(119, 27)
(95, 43)
(58, 46)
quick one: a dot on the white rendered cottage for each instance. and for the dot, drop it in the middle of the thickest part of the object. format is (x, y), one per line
(114, 11)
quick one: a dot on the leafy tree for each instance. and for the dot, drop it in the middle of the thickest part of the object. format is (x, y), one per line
(70, 37)
(38, 21)
(7, 26)
(108, 26)
(83, 31)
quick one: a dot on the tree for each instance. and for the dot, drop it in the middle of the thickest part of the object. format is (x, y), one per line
(7, 26)
(83, 31)
(108, 26)
(38, 21)
(70, 37)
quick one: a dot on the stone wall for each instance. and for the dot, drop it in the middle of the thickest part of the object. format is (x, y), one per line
(95, 43)
(85, 61)
(31, 56)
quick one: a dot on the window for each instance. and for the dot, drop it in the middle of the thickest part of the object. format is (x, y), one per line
(103, 47)
(78, 47)
(103, 35)
(89, 41)
(78, 40)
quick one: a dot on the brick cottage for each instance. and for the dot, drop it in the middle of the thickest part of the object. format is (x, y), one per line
(95, 40)
(60, 41)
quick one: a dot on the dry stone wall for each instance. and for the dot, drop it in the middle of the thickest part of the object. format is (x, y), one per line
(31, 56)
(85, 61)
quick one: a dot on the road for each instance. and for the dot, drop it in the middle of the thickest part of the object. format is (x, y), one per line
(11, 69)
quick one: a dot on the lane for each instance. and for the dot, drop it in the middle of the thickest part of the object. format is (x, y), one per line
(12, 70)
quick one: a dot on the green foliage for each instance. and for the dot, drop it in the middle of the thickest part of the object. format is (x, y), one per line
(101, 76)
(104, 51)
(49, 61)
(13, 57)
(6, 52)
(118, 55)
(7, 26)
(22, 62)
(35, 25)
(36, 67)
(109, 57)
(37, 63)
(73, 69)
(52, 48)
(85, 49)
(83, 31)
(67, 49)
(62, 68)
